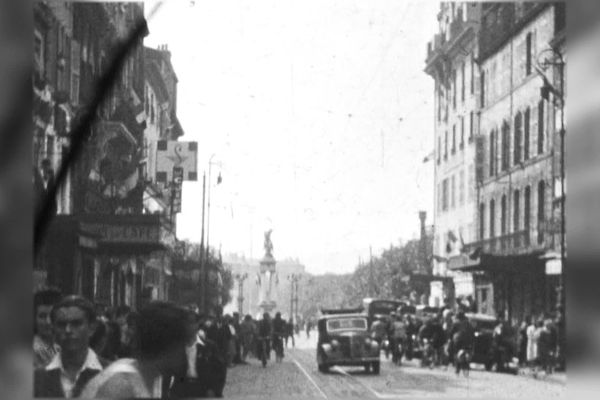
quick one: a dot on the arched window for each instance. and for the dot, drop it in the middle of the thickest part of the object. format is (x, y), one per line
(518, 137)
(492, 152)
(527, 213)
(481, 221)
(541, 209)
(516, 211)
(505, 145)
(526, 139)
(492, 218)
(503, 216)
(541, 130)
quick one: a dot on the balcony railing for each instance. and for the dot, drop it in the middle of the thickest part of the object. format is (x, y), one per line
(512, 243)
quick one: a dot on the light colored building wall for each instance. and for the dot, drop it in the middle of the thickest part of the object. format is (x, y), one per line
(458, 167)
(508, 93)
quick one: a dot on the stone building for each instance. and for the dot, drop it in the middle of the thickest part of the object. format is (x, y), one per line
(104, 243)
(451, 62)
(513, 215)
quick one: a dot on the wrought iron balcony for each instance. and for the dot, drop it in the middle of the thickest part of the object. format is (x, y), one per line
(513, 243)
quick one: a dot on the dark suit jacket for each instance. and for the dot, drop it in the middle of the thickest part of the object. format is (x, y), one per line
(47, 382)
(211, 368)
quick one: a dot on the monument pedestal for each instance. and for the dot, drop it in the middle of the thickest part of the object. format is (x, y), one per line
(267, 273)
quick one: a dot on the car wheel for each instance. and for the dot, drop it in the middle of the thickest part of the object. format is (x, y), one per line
(367, 368)
(376, 367)
(323, 368)
(489, 365)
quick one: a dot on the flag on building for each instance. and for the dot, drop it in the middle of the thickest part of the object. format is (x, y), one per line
(429, 157)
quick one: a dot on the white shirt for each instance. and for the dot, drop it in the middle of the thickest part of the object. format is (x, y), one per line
(91, 362)
(122, 379)
(191, 352)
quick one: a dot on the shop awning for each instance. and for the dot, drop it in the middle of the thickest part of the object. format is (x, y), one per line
(479, 261)
(127, 234)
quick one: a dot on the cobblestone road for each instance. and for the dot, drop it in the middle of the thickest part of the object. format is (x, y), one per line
(297, 377)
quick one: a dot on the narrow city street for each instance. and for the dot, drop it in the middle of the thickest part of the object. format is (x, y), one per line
(297, 377)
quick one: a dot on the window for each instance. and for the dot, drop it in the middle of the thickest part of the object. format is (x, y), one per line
(472, 74)
(492, 218)
(503, 216)
(439, 150)
(461, 188)
(526, 128)
(471, 126)
(75, 72)
(481, 221)
(527, 213)
(492, 152)
(39, 51)
(540, 141)
(505, 145)
(541, 210)
(453, 138)
(516, 211)
(454, 89)
(446, 145)
(445, 195)
(453, 193)
(462, 81)
(462, 132)
(518, 134)
(439, 102)
(482, 89)
(528, 54)
(439, 197)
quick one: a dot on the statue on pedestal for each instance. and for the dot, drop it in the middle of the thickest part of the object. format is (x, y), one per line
(267, 271)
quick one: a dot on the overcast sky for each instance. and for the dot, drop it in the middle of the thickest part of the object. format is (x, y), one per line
(318, 114)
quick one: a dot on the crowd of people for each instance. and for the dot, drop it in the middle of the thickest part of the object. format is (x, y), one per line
(535, 343)
(163, 350)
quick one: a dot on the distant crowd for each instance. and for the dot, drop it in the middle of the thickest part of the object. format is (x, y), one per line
(163, 350)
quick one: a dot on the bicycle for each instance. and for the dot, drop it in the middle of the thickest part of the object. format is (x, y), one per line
(263, 353)
(278, 347)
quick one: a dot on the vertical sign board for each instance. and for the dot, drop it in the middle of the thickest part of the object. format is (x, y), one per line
(176, 193)
(172, 154)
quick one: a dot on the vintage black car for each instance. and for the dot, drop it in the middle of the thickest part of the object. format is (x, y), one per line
(483, 327)
(344, 340)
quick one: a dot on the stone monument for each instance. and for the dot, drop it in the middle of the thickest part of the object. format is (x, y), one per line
(268, 276)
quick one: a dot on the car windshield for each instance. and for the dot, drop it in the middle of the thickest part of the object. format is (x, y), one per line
(341, 324)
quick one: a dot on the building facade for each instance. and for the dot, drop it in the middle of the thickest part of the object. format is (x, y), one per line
(451, 62)
(514, 238)
(106, 241)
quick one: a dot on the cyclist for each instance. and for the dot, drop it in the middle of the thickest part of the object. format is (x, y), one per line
(279, 332)
(462, 341)
(398, 337)
(264, 335)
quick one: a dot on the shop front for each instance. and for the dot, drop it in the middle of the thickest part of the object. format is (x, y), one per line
(512, 286)
(133, 258)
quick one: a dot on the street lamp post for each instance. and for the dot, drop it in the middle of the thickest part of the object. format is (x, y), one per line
(203, 274)
(294, 279)
(556, 59)
(240, 279)
(205, 249)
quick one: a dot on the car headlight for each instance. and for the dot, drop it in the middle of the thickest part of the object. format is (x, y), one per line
(326, 347)
(374, 345)
(335, 343)
(368, 341)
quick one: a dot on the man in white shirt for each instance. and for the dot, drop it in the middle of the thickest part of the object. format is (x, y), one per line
(73, 321)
